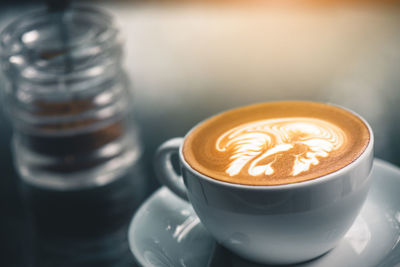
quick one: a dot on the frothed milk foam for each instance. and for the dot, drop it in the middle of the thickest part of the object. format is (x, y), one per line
(276, 143)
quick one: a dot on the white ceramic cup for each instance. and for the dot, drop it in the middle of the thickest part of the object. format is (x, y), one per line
(281, 224)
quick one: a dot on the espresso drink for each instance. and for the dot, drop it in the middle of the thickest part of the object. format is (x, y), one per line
(276, 143)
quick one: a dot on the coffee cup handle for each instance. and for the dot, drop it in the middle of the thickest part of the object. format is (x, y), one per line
(165, 172)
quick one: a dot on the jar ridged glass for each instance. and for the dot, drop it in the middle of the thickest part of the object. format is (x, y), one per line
(68, 98)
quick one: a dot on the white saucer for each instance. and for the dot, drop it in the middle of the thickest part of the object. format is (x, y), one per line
(166, 232)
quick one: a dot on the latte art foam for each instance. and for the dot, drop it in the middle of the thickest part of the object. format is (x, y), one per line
(276, 143)
(263, 141)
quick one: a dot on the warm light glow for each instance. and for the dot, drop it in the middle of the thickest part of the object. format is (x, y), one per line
(259, 143)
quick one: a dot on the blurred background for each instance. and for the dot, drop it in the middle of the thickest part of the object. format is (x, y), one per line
(188, 60)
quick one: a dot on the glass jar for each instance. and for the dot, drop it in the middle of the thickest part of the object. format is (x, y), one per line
(68, 99)
(75, 144)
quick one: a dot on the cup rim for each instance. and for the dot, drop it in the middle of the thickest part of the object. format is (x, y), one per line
(314, 181)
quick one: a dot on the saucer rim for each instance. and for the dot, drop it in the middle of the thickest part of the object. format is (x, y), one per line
(376, 162)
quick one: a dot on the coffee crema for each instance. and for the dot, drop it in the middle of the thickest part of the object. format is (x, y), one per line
(276, 143)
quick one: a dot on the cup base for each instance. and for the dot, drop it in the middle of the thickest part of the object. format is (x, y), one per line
(269, 262)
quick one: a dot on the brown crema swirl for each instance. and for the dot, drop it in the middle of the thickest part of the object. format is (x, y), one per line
(276, 143)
